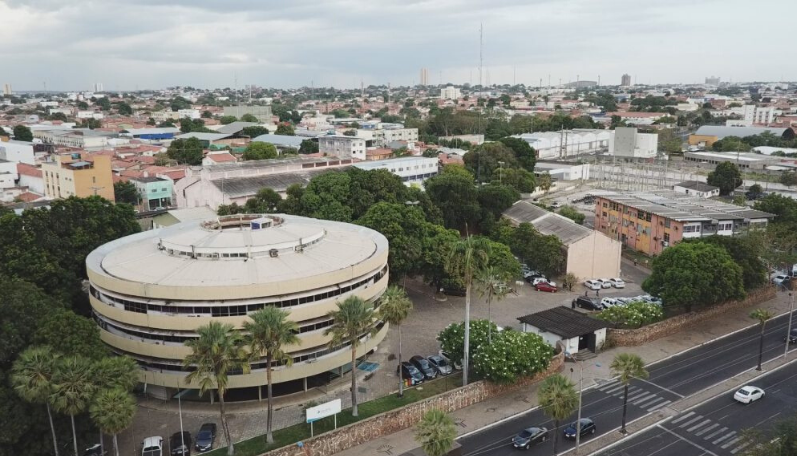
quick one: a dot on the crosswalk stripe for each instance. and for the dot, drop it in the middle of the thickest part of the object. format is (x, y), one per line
(726, 436)
(649, 401)
(704, 430)
(642, 398)
(637, 395)
(658, 406)
(730, 442)
(687, 423)
(614, 389)
(715, 433)
(608, 386)
(739, 448)
(703, 423)
(678, 420)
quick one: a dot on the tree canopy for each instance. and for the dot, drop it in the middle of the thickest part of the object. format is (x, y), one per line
(125, 192)
(726, 176)
(186, 151)
(23, 133)
(260, 151)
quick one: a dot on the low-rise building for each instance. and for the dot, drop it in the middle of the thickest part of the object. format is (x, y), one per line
(411, 170)
(572, 330)
(707, 135)
(344, 147)
(8, 174)
(552, 145)
(627, 142)
(154, 192)
(384, 136)
(31, 177)
(152, 133)
(76, 175)
(17, 152)
(743, 160)
(262, 113)
(695, 188)
(79, 139)
(565, 171)
(450, 93)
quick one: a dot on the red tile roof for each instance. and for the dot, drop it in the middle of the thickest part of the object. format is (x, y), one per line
(222, 158)
(28, 170)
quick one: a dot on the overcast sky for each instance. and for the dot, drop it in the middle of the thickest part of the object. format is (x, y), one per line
(129, 44)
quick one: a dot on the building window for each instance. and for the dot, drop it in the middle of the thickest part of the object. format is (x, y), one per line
(667, 237)
(666, 223)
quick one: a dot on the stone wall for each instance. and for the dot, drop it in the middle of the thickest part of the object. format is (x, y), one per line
(633, 337)
(396, 420)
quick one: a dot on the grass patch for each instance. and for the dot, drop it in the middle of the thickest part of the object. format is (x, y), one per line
(641, 258)
(292, 434)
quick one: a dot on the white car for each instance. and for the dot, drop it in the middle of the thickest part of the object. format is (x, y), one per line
(605, 283)
(617, 282)
(542, 279)
(593, 284)
(609, 302)
(152, 446)
(748, 394)
(780, 279)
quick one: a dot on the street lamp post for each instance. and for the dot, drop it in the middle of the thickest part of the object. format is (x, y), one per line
(580, 395)
(788, 330)
(500, 172)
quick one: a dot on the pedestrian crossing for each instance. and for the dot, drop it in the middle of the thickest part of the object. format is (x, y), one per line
(637, 396)
(704, 430)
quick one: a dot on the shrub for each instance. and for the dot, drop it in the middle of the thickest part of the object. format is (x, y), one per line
(452, 338)
(512, 354)
(632, 315)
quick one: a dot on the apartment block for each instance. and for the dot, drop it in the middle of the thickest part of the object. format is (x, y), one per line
(342, 146)
(76, 175)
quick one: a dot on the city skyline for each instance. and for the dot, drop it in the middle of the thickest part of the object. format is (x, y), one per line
(343, 42)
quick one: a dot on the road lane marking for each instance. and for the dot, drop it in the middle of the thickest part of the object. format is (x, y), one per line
(637, 395)
(678, 420)
(715, 433)
(608, 386)
(703, 423)
(650, 401)
(643, 398)
(662, 405)
(726, 436)
(693, 420)
(661, 387)
(704, 430)
(689, 441)
(731, 442)
(739, 448)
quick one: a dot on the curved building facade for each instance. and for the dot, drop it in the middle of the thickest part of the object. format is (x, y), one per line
(152, 290)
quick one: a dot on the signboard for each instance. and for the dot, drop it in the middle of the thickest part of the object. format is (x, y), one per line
(324, 410)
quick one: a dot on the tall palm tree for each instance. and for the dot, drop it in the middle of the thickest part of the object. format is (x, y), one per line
(466, 259)
(116, 372)
(435, 432)
(762, 315)
(270, 330)
(394, 308)
(491, 284)
(627, 367)
(559, 399)
(353, 318)
(218, 350)
(32, 379)
(113, 411)
(73, 388)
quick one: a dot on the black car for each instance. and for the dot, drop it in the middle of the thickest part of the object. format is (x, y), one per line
(529, 437)
(180, 444)
(587, 427)
(792, 336)
(585, 302)
(205, 437)
(423, 365)
(411, 373)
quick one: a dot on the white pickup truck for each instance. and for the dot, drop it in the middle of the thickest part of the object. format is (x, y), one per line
(152, 446)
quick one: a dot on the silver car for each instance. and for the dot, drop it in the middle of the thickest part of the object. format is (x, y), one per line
(440, 364)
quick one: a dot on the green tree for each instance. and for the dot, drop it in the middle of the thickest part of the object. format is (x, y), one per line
(467, 258)
(179, 103)
(626, 367)
(226, 120)
(91, 124)
(545, 182)
(113, 411)
(115, 372)
(58, 116)
(285, 129)
(124, 109)
(491, 283)
(488, 160)
(788, 178)
(308, 147)
(82, 105)
(350, 133)
(193, 125)
(512, 355)
(726, 176)
(525, 155)
(403, 226)
(496, 198)
(125, 192)
(353, 319)
(762, 316)
(32, 379)
(747, 252)
(265, 201)
(695, 274)
(207, 114)
(23, 133)
(394, 308)
(558, 399)
(781, 441)
(254, 131)
(104, 103)
(260, 151)
(218, 350)
(70, 334)
(454, 193)
(270, 330)
(521, 180)
(249, 118)
(73, 389)
(632, 315)
(187, 151)
(436, 433)
(573, 214)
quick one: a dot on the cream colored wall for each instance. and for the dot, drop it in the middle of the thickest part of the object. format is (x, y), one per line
(595, 256)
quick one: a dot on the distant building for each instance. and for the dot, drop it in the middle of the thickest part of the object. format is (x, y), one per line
(581, 84)
(17, 152)
(188, 114)
(31, 177)
(695, 188)
(713, 81)
(98, 87)
(424, 77)
(625, 81)
(7, 89)
(744, 160)
(707, 135)
(553, 145)
(281, 141)
(753, 114)
(73, 175)
(79, 139)
(8, 174)
(262, 113)
(563, 170)
(627, 142)
(152, 133)
(384, 136)
(450, 93)
(89, 115)
(342, 146)
(154, 192)
(411, 170)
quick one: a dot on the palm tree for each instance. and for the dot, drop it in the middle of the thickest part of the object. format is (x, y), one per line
(353, 318)
(435, 432)
(116, 372)
(762, 316)
(466, 259)
(491, 283)
(627, 366)
(32, 379)
(559, 399)
(113, 411)
(270, 330)
(217, 351)
(394, 308)
(73, 388)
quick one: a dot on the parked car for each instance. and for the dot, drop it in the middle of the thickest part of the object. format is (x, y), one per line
(454, 291)
(205, 437)
(546, 286)
(593, 284)
(529, 437)
(605, 283)
(556, 205)
(441, 364)
(623, 301)
(531, 276)
(587, 427)
(411, 373)
(180, 444)
(588, 303)
(456, 364)
(609, 302)
(792, 337)
(781, 279)
(95, 450)
(423, 365)
(541, 280)
(748, 394)
(152, 446)
(617, 282)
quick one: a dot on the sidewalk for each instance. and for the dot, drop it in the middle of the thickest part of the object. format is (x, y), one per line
(596, 371)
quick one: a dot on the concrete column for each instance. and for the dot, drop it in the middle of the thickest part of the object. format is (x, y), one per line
(260, 393)
(305, 384)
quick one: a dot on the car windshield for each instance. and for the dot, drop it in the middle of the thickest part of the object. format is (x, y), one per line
(525, 434)
(441, 362)
(412, 370)
(424, 363)
(744, 392)
(203, 435)
(618, 280)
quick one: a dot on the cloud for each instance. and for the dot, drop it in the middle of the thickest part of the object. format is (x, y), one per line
(209, 43)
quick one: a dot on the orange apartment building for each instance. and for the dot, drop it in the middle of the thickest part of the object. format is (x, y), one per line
(649, 223)
(76, 175)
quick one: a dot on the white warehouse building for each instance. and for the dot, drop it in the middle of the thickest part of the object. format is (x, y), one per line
(567, 143)
(411, 170)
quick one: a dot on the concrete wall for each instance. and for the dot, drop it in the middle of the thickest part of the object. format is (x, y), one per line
(396, 420)
(597, 255)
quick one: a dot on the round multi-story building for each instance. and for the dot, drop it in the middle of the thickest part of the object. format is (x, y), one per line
(152, 290)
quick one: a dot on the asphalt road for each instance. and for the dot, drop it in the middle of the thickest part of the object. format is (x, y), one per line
(671, 379)
(716, 427)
